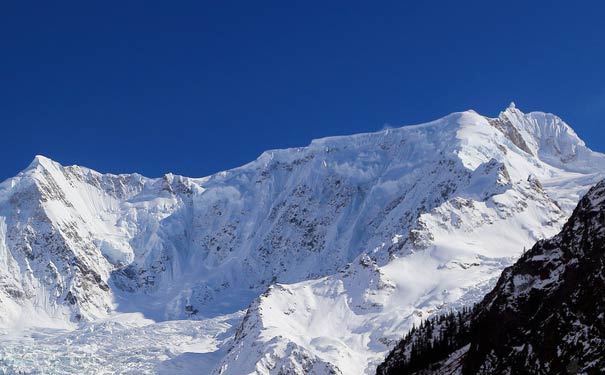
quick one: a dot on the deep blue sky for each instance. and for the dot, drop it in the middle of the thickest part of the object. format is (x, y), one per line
(198, 87)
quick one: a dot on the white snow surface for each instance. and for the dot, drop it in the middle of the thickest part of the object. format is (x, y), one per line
(311, 260)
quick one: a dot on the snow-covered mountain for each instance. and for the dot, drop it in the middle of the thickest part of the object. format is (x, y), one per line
(545, 315)
(335, 249)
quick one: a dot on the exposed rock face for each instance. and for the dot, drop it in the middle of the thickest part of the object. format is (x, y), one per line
(504, 124)
(546, 314)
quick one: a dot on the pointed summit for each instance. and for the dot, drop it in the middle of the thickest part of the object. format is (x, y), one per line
(41, 161)
(512, 110)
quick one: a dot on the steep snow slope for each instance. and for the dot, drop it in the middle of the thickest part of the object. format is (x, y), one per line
(359, 231)
(445, 254)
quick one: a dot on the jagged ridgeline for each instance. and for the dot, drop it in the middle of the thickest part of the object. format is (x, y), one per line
(545, 315)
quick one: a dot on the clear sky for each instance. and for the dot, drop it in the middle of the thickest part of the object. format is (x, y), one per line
(195, 87)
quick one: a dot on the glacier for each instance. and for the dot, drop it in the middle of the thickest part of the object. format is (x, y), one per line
(311, 260)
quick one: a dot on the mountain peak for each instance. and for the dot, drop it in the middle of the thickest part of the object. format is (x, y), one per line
(511, 112)
(41, 161)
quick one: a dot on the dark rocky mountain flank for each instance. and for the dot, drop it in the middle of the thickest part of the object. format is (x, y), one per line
(546, 314)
